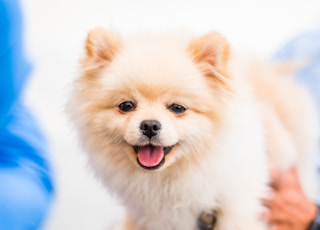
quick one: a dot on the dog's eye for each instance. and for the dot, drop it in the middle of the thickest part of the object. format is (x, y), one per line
(127, 106)
(178, 109)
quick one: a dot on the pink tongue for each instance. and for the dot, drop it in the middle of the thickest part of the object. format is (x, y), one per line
(150, 156)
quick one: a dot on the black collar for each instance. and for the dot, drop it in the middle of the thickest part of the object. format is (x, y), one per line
(207, 220)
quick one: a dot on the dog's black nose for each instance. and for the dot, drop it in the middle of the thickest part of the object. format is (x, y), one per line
(150, 128)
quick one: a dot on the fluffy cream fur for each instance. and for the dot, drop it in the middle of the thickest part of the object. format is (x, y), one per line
(235, 124)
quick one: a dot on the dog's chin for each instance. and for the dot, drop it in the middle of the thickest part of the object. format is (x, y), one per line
(151, 157)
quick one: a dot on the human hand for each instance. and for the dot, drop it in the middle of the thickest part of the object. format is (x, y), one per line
(288, 206)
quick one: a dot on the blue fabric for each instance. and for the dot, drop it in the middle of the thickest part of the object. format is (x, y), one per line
(26, 188)
(24, 203)
(13, 66)
(23, 145)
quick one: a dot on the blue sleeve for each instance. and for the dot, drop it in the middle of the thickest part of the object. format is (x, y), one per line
(22, 144)
(14, 69)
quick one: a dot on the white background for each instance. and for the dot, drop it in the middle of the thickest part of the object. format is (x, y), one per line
(55, 34)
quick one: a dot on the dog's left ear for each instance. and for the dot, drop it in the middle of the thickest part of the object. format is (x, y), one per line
(211, 53)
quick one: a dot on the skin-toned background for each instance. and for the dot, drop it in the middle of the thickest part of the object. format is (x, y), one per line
(55, 33)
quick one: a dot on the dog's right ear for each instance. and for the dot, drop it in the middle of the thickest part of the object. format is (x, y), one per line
(212, 52)
(101, 47)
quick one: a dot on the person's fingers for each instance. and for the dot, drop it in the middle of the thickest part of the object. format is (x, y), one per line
(287, 206)
(275, 178)
(276, 217)
(277, 211)
(281, 226)
(290, 179)
(266, 203)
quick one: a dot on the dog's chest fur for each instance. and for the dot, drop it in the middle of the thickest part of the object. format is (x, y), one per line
(160, 203)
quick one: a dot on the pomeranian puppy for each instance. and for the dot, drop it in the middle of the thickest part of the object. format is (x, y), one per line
(173, 130)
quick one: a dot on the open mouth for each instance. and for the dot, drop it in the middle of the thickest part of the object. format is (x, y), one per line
(151, 157)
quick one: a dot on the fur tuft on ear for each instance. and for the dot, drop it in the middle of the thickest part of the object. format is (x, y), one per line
(211, 52)
(102, 46)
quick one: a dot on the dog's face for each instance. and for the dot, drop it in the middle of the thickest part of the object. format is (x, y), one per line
(152, 101)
